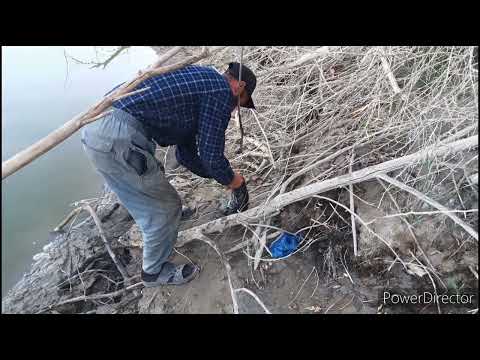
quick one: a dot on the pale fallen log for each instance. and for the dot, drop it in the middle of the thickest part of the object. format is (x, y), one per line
(306, 192)
(313, 165)
(279, 202)
(432, 202)
(34, 151)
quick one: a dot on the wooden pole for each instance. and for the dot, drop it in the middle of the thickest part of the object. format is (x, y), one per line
(97, 111)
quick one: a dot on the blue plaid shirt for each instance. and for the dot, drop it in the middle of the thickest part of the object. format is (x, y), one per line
(190, 108)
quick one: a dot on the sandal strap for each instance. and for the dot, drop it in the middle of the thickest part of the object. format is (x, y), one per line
(168, 269)
(177, 276)
(173, 274)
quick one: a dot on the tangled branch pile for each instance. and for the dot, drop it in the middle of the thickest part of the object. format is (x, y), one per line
(318, 107)
(324, 112)
(314, 106)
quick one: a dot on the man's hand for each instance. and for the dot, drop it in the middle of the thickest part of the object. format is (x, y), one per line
(237, 181)
(239, 197)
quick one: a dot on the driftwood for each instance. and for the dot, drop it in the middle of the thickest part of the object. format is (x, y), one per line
(279, 202)
(31, 153)
(303, 193)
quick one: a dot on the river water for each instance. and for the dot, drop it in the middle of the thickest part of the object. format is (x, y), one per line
(40, 91)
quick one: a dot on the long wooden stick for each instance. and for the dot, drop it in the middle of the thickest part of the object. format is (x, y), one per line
(67, 219)
(34, 151)
(352, 209)
(432, 202)
(371, 172)
(115, 260)
(266, 211)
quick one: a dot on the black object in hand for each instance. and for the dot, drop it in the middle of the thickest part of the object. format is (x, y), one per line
(238, 201)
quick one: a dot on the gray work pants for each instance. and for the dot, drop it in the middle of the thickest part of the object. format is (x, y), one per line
(119, 150)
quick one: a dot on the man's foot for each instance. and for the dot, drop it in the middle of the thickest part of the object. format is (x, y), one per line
(171, 275)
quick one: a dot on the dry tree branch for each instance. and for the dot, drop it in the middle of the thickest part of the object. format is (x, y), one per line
(67, 219)
(117, 263)
(93, 297)
(252, 294)
(352, 210)
(301, 287)
(228, 268)
(29, 154)
(366, 226)
(267, 210)
(390, 76)
(431, 279)
(409, 227)
(111, 57)
(432, 202)
(265, 136)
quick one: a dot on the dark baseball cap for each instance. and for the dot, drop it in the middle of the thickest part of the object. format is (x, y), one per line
(248, 76)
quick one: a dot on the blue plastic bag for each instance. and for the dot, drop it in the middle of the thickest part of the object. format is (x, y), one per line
(285, 244)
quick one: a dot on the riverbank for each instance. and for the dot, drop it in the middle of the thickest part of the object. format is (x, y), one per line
(370, 155)
(75, 275)
(35, 199)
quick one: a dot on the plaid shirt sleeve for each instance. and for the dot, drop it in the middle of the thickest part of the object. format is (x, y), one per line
(213, 120)
(187, 156)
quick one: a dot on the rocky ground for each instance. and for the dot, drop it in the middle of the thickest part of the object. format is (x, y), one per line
(323, 278)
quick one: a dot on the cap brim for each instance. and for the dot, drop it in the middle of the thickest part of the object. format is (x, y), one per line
(250, 104)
